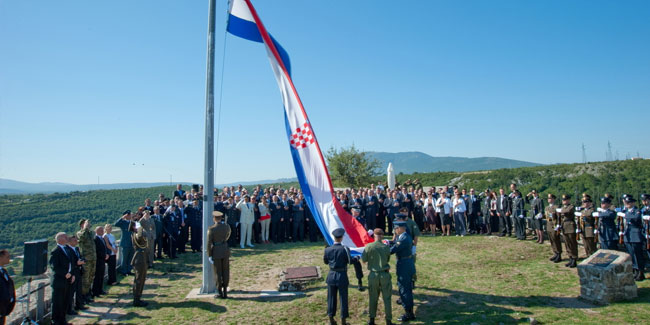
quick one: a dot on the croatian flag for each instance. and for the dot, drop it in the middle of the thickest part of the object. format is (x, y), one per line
(310, 166)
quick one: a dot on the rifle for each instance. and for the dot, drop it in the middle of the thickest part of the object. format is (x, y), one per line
(621, 229)
(596, 226)
(578, 218)
(558, 222)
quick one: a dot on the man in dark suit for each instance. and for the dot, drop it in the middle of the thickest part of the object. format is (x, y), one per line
(473, 211)
(232, 219)
(61, 278)
(7, 290)
(100, 265)
(371, 207)
(195, 220)
(75, 294)
(172, 226)
(503, 211)
(179, 192)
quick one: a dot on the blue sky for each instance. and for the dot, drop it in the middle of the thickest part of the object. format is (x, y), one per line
(90, 88)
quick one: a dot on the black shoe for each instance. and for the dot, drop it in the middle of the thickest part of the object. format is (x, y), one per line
(343, 322)
(139, 303)
(72, 312)
(82, 307)
(574, 263)
(332, 321)
(225, 293)
(405, 318)
(389, 322)
(130, 273)
(89, 298)
(361, 286)
(371, 321)
(553, 258)
(398, 301)
(640, 277)
(558, 259)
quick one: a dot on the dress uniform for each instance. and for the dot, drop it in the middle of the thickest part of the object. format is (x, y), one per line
(403, 250)
(588, 226)
(519, 216)
(552, 226)
(149, 231)
(607, 234)
(634, 237)
(89, 252)
(139, 262)
(377, 254)
(337, 257)
(219, 252)
(645, 212)
(567, 216)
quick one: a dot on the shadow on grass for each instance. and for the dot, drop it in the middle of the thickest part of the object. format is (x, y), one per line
(455, 307)
(203, 305)
(255, 296)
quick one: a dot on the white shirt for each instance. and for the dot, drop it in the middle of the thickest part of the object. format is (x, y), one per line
(66, 254)
(111, 239)
(447, 205)
(247, 212)
(460, 207)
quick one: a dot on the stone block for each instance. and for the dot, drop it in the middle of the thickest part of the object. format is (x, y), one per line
(606, 276)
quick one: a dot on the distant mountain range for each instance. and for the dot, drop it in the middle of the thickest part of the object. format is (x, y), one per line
(8, 186)
(403, 162)
(414, 161)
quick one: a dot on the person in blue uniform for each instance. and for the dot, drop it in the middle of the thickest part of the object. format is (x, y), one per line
(634, 237)
(607, 233)
(337, 257)
(645, 212)
(402, 248)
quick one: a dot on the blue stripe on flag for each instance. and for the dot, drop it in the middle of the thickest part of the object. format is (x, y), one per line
(248, 30)
(244, 29)
(304, 185)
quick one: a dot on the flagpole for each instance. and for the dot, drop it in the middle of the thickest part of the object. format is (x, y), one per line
(209, 285)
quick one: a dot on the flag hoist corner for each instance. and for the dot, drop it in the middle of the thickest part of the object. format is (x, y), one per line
(308, 160)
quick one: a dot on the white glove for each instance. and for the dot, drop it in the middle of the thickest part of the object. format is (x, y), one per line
(413, 250)
(210, 259)
(621, 214)
(646, 218)
(578, 231)
(557, 228)
(578, 214)
(600, 210)
(521, 216)
(595, 231)
(595, 214)
(558, 210)
(539, 216)
(621, 233)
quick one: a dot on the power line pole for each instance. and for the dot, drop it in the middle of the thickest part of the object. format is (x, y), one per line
(609, 156)
(209, 285)
(584, 154)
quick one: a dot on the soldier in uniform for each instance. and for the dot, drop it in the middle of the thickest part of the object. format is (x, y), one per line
(645, 212)
(567, 215)
(413, 231)
(588, 225)
(518, 215)
(149, 231)
(552, 229)
(89, 252)
(337, 257)
(402, 247)
(377, 254)
(139, 262)
(607, 233)
(537, 211)
(219, 253)
(634, 237)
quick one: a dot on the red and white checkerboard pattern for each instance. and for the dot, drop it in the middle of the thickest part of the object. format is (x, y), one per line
(303, 137)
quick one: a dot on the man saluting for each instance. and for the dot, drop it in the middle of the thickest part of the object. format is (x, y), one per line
(219, 252)
(337, 257)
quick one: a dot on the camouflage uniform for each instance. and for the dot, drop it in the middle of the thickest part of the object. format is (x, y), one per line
(88, 251)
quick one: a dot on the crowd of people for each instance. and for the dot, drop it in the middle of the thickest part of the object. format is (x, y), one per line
(165, 227)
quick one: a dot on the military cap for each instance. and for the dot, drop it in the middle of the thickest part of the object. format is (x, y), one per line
(586, 198)
(645, 197)
(629, 199)
(81, 222)
(566, 197)
(356, 208)
(398, 224)
(605, 199)
(400, 216)
(338, 232)
(126, 212)
(551, 196)
(625, 195)
(217, 213)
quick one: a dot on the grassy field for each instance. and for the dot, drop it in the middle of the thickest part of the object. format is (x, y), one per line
(476, 279)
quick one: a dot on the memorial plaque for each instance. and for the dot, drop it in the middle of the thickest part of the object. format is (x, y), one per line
(602, 259)
(294, 273)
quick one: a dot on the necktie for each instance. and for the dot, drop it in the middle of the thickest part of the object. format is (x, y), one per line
(4, 274)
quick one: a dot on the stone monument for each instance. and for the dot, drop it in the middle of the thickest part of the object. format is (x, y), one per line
(606, 276)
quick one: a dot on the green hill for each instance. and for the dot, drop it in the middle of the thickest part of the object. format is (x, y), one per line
(27, 217)
(414, 161)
